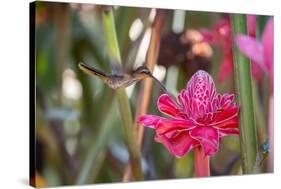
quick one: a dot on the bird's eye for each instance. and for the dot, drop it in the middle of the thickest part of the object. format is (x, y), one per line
(146, 71)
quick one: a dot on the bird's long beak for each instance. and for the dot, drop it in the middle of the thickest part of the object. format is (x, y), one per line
(159, 83)
(92, 71)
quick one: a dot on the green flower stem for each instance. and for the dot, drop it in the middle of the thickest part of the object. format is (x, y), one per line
(124, 104)
(90, 164)
(271, 134)
(259, 116)
(100, 140)
(243, 81)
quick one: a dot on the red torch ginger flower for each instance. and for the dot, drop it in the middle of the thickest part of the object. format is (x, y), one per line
(200, 117)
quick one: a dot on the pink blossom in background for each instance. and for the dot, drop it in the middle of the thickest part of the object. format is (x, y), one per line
(252, 25)
(200, 117)
(221, 36)
(260, 52)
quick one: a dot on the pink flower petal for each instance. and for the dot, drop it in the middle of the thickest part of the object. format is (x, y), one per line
(208, 36)
(225, 100)
(222, 32)
(225, 117)
(252, 23)
(256, 71)
(200, 91)
(229, 131)
(251, 48)
(208, 138)
(149, 120)
(225, 69)
(179, 145)
(184, 102)
(267, 43)
(168, 106)
(163, 125)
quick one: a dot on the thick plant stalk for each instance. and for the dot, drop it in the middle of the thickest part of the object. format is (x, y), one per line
(201, 163)
(271, 134)
(243, 81)
(124, 105)
(146, 87)
(262, 133)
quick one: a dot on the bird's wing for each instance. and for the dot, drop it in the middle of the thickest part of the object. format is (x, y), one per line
(116, 68)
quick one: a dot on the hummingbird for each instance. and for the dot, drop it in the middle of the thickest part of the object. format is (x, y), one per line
(116, 80)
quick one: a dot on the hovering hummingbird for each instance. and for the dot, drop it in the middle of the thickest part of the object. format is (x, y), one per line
(120, 79)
